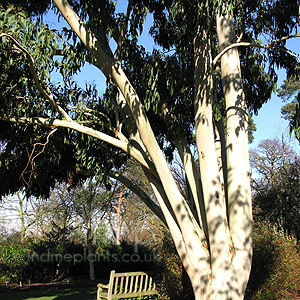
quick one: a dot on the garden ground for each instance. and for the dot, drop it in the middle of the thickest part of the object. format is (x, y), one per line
(87, 293)
(50, 291)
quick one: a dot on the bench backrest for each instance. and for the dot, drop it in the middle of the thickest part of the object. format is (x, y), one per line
(132, 284)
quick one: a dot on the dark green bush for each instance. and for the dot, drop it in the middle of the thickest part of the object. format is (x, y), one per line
(52, 261)
(46, 260)
(126, 257)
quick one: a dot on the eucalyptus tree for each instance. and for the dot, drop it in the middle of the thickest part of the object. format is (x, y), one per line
(182, 95)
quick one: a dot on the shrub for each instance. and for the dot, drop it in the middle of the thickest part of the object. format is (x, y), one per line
(52, 261)
(41, 261)
(126, 257)
(275, 270)
(13, 262)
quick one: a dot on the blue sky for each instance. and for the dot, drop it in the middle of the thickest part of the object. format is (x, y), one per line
(268, 121)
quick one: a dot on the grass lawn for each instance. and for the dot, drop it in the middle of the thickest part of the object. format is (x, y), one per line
(84, 293)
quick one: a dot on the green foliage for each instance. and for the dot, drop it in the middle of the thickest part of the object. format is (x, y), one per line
(275, 270)
(163, 80)
(30, 7)
(269, 20)
(56, 258)
(41, 43)
(251, 129)
(42, 261)
(34, 156)
(19, 92)
(13, 262)
(290, 111)
(295, 124)
(289, 89)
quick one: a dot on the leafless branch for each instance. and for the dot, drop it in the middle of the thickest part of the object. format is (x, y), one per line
(31, 158)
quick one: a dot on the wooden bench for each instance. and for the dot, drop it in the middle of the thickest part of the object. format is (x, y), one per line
(127, 285)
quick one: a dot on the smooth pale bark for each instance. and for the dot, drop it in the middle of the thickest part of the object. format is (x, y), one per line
(220, 146)
(194, 180)
(123, 145)
(239, 195)
(214, 198)
(191, 171)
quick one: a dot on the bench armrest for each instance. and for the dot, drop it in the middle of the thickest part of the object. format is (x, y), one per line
(102, 286)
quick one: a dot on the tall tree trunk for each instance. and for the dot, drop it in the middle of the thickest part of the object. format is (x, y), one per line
(89, 238)
(118, 210)
(218, 236)
(238, 172)
(21, 212)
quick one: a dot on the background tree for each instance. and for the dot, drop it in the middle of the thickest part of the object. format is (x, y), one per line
(141, 225)
(19, 210)
(267, 161)
(16, 210)
(88, 203)
(137, 223)
(194, 85)
(279, 203)
(276, 192)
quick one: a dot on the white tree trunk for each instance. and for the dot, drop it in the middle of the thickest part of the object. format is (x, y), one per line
(238, 174)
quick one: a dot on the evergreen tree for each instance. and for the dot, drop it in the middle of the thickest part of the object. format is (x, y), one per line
(215, 61)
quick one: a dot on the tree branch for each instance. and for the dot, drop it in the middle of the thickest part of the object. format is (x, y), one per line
(56, 123)
(267, 46)
(32, 158)
(139, 192)
(47, 94)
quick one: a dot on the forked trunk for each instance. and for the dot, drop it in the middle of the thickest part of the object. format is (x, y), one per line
(215, 246)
